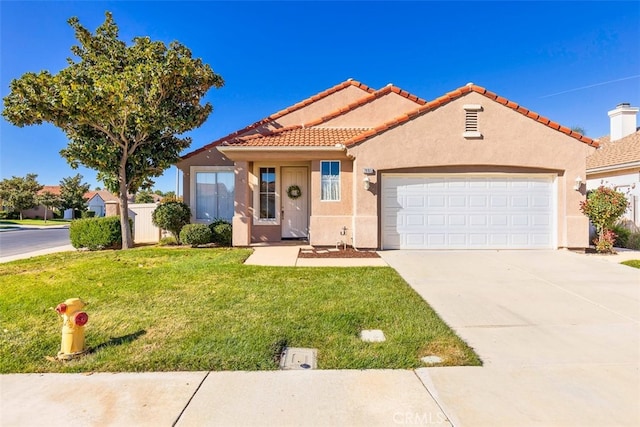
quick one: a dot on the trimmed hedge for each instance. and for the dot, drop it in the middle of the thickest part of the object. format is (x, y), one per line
(97, 233)
(221, 232)
(195, 234)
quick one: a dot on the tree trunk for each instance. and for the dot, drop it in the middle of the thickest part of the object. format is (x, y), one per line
(45, 214)
(127, 240)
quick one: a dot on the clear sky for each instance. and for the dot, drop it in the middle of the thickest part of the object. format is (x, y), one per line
(569, 61)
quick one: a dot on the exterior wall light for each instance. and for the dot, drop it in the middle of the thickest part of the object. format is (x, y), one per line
(578, 184)
(367, 183)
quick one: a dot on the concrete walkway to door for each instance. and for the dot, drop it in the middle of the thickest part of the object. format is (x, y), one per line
(558, 332)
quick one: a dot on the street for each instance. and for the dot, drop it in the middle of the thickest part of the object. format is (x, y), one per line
(26, 240)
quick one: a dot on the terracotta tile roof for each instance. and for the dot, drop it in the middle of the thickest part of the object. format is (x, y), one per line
(53, 189)
(281, 113)
(297, 136)
(450, 96)
(620, 152)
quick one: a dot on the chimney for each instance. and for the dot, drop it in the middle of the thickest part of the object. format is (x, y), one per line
(623, 121)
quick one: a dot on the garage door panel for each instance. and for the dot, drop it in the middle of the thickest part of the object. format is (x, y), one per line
(443, 212)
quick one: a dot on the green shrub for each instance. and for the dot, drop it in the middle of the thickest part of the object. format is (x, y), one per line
(622, 235)
(168, 241)
(633, 241)
(88, 214)
(221, 232)
(96, 233)
(195, 234)
(172, 216)
(9, 215)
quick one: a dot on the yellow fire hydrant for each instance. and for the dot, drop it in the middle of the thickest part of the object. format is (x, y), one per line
(73, 321)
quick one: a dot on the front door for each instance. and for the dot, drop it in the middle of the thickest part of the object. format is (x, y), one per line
(295, 218)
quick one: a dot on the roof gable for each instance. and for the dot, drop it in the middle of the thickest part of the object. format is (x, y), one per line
(453, 95)
(296, 107)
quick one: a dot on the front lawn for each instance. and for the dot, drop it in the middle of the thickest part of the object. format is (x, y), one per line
(632, 263)
(168, 309)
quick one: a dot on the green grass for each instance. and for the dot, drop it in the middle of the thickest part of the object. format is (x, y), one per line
(39, 222)
(169, 309)
(632, 263)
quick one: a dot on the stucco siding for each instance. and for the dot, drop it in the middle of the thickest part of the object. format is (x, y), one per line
(509, 140)
(371, 114)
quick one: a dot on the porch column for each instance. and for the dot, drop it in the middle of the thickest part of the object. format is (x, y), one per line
(241, 213)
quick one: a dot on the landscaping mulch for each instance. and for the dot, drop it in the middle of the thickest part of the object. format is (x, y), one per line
(340, 252)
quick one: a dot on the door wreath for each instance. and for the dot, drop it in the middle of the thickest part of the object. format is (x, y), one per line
(293, 192)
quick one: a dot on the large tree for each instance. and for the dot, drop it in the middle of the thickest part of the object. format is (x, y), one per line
(72, 191)
(121, 106)
(20, 193)
(50, 201)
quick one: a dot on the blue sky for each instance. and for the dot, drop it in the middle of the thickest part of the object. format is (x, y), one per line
(569, 61)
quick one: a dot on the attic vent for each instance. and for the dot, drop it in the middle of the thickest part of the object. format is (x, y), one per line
(471, 129)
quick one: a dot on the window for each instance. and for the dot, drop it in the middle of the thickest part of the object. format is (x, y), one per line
(471, 129)
(330, 180)
(214, 195)
(268, 193)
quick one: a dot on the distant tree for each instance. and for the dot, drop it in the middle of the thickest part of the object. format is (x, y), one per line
(144, 196)
(579, 129)
(20, 193)
(50, 201)
(121, 107)
(169, 195)
(97, 189)
(72, 192)
(158, 193)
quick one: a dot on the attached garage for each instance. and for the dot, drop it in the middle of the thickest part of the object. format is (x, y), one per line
(467, 211)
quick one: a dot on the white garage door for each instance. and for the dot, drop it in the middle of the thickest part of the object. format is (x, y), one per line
(467, 212)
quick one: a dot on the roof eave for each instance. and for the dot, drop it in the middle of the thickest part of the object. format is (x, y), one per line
(612, 168)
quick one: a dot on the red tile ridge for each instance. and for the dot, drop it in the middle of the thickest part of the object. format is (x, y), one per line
(275, 116)
(450, 96)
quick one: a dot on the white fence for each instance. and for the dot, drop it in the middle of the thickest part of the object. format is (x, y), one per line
(143, 229)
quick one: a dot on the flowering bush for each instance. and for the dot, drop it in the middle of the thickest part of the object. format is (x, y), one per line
(604, 206)
(604, 243)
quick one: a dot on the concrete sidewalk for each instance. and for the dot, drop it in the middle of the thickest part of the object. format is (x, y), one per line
(31, 254)
(283, 398)
(287, 256)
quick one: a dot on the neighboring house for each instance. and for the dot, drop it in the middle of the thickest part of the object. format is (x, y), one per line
(97, 201)
(616, 163)
(386, 169)
(39, 211)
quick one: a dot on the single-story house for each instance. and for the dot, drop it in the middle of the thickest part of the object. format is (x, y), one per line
(616, 163)
(96, 201)
(386, 169)
(40, 210)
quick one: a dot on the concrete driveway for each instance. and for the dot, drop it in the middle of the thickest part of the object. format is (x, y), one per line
(558, 332)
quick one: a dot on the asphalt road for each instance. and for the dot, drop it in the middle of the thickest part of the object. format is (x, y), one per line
(24, 240)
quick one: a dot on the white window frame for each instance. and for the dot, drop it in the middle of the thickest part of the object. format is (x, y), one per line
(256, 195)
(339, 181)
(193, 171)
